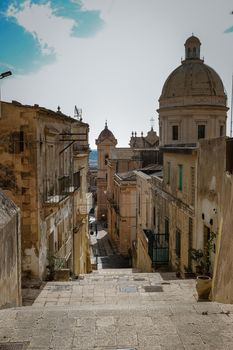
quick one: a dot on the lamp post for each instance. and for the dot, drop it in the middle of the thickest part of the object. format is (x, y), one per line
(5, 74)
(2, 76)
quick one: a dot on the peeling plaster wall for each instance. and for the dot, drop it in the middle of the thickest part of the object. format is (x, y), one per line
(143, 220)
(215, 201)
(177, 205)
(57, 227)
(31, 174)
(10, 262)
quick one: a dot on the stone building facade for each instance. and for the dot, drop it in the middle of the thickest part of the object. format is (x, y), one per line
(192, 107)
(114, 167)
(122, 210)
(44, 162)
(10, 253)
(192, 104)
(106, 143)
(214, 210)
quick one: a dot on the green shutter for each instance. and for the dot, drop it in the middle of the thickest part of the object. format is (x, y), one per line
(180, 177)
(178, 243)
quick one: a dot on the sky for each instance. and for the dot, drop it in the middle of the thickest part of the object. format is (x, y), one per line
(108, 57)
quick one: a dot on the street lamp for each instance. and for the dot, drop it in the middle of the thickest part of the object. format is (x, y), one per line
(2, 76)
(5, 74)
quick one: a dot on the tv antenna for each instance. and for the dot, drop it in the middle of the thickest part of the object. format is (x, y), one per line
(78, 113)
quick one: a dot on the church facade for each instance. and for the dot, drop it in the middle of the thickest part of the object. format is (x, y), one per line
(116, 183)
(192, 107)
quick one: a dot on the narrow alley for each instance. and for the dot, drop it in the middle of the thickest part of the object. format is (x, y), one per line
(104, 252)
(117, 308)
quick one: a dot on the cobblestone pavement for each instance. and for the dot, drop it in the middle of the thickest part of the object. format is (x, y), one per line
(118, 309)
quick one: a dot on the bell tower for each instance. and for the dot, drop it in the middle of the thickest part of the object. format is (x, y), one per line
(106, 144)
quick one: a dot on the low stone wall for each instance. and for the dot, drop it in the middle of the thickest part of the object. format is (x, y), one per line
(10, 262)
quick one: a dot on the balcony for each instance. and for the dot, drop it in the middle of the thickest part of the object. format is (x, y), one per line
(65, 185)
(80, 148)
(55, 192)
(65, 250)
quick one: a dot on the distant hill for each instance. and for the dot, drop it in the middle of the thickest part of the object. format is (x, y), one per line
(93, 158)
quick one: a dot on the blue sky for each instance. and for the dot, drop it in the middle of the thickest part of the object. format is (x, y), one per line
(22, 49)
(108, 57)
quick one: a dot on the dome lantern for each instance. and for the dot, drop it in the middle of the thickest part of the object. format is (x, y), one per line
(192, 48)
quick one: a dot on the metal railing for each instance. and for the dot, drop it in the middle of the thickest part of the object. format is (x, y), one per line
(158, 247)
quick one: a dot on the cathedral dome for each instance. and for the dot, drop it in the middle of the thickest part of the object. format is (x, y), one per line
(193, 78)
(193, 101)
(106, 134)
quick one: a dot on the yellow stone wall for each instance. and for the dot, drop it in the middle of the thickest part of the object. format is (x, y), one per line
(10, 254)
(33, 172)
(143, 262)
(215, 206)
(179, 207)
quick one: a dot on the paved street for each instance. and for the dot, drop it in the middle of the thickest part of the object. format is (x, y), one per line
(118, 309)
(105, 253)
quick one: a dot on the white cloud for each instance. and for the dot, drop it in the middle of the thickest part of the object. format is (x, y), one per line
(119, 73)
(50, 31)
(104, 6)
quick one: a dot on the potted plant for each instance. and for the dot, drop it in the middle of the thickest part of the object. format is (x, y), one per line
(57, 270)
(203, 268)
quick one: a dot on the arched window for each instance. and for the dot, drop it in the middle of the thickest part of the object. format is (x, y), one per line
(194, 52)
(106, 159)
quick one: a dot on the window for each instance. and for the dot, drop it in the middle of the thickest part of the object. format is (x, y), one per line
(201, 131)
(194, 52)
(229, 156)
(180, 177)
(16, 142)
(192, 200)
(221, 130)
(168, 172)
(175, 132)
(178, 243)
(154, 221)
(106, 159)
(77, 179)
(190, 242)
(166, 227)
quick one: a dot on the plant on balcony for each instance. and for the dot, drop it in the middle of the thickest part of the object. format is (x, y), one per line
(54, 264)
(202, 257)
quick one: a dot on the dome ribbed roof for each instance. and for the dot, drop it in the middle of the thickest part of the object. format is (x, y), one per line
(192, 39)
(193, 77)
(106, 134)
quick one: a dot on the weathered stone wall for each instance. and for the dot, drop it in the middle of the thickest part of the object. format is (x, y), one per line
(215, 207)
(143, 262)
(10, 262)
(126, 216)
(38, 173)
(143, 221)
(176, 205)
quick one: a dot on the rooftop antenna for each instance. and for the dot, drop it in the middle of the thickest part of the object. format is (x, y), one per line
(78, 113)
(152, 123)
